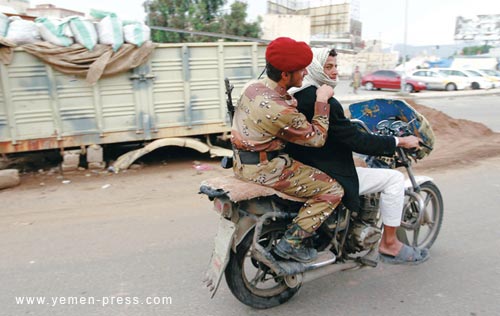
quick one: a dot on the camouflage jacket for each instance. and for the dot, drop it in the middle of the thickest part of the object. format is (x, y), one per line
(266, 117)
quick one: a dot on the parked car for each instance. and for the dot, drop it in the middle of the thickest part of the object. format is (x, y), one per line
(476, 81)
(491, 72)
(434, 79)
(390, 79)
(494, 79)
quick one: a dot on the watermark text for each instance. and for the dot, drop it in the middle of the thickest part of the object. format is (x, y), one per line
(92, 300)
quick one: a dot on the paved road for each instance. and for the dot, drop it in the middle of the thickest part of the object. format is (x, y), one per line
(154, 240)
(484, 109)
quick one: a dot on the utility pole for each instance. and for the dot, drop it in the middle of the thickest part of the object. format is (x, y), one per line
(403, 77)
(147, 4)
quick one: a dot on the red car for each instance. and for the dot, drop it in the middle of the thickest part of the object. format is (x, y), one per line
(389, 79)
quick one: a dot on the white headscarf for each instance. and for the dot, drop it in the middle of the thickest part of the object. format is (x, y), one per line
(316, 75)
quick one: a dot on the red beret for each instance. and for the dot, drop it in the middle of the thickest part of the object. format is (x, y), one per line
(288, 55)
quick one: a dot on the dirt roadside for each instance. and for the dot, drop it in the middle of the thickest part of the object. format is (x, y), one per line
(458, 142)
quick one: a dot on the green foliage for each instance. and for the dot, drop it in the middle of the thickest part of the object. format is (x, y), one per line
(234, 23)
(198, 15)
(476, 50)
(170, 13)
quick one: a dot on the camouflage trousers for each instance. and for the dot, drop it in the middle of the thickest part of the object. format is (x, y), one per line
(292, 177)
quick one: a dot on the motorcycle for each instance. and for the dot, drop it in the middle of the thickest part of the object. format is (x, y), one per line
(253, 219)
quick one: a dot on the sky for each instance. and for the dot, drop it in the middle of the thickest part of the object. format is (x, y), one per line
(429, 22)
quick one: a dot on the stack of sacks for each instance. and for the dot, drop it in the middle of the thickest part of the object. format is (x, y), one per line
(21, 31)
(55, 31)
(83, 31)
(136, 33)
(4, 24)
(109, 29)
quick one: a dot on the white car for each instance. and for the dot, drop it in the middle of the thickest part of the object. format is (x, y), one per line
(476, 81)
(495, 80)
(437, 80)
(492, 72)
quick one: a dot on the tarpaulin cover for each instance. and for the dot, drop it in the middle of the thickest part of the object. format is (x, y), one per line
(94, 64)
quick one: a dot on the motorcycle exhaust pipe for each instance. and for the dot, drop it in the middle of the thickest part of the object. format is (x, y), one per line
(326, 270)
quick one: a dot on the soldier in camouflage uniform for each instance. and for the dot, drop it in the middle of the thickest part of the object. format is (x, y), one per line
(266, 119)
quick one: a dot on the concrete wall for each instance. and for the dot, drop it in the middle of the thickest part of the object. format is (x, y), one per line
(297, 27)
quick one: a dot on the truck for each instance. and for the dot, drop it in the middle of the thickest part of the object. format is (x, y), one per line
(176, 98)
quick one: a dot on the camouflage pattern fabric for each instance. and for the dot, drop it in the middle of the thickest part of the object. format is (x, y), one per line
(264, 120)
(266, 117)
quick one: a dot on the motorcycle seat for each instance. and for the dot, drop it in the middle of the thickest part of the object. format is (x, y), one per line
(240, 190)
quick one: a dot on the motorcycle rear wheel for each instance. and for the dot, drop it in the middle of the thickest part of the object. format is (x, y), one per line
(426, 232)
(246, 277)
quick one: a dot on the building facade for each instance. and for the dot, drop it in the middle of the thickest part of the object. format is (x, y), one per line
(481, 28)
(19, 6)
(50, 10)
(291, 25)
(335, 23)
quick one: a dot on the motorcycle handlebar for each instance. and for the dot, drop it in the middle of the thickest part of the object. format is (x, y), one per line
(425, 146)
(402, 132)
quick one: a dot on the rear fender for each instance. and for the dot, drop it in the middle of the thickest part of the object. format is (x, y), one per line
(244, 225)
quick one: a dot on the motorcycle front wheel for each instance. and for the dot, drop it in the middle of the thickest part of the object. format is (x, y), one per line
(252, 282)
(424, 231)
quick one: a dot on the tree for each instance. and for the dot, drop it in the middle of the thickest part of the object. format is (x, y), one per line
(476, 50)
(206, 18)
(235, 23)
(169, 13)
(208, 10)
(198, 15)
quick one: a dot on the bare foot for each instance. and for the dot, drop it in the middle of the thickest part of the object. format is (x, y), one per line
(389, 243)
(390, 249)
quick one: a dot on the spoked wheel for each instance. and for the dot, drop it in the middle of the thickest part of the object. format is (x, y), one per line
(421, 231)
(252, 282)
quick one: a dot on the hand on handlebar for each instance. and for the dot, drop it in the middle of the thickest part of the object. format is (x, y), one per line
(409, 142)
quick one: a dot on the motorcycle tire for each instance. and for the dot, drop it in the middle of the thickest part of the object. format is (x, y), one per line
(241, 287)
(433, 218)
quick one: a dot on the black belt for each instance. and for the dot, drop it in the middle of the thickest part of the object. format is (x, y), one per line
(256, 157)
